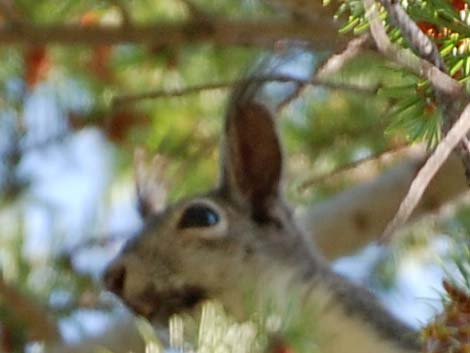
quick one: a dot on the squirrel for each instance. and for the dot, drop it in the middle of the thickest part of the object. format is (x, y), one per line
(240, 241)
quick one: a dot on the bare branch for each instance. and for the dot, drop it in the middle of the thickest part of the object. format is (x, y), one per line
(126, 99)
(427, 172)
(321, 35)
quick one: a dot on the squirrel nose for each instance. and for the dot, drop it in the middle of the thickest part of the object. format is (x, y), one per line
(114, 278)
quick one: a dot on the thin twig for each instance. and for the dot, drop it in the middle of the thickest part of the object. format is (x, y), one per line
(337, 61)
(375, 158)
(332, 65)
(126, 99)
(419, 184)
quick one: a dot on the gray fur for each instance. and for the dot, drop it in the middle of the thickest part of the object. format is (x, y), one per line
(167, 269)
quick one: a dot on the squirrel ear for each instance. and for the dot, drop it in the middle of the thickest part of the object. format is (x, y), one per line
(150, 182)
(252, 158)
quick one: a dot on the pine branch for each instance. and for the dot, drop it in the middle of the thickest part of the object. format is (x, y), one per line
(450, 94)
(407, 60)
(419, 42)
(450, 104)
(458, 131)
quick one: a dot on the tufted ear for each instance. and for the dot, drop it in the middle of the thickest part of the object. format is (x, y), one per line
(150, 182)
(251, 158)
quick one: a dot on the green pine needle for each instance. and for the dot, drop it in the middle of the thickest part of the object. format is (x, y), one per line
(414, 109)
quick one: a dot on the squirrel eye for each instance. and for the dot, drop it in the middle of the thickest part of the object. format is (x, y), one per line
(198, 216)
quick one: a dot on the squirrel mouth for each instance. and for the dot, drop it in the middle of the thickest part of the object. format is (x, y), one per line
(160, 305)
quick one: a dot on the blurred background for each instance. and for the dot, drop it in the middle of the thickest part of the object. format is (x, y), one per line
(68, 132)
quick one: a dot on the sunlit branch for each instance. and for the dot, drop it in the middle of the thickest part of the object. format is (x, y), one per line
(337, 61)
(458, 131)
(451, 105)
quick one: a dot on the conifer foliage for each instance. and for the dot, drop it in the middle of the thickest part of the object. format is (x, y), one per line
(447, 24)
